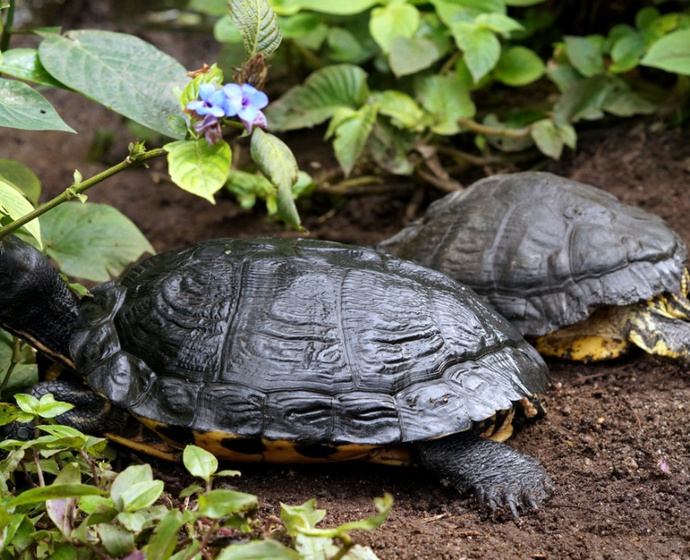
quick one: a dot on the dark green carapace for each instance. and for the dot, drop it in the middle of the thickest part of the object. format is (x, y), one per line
(298, 351)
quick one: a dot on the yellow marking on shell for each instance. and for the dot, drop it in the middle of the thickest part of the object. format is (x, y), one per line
(581, 348)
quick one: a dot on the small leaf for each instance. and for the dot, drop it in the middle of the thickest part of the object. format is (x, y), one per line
(402, 109)
(48, 407)
(258, 550)
(498, 22)
(519, 66)
(547, 138)
(54, 492)
(322, 93)
(396, 19)
(199, 462)
(126, 479)
(191, 90)
(141, 495)
(585, 55)
(14, 205)
(409, 56)
(199, 168)
(61, 512)
(257, 24)
(277, 162)
(670, 53)
(351, 136)
(111, 240)
(165, 535)
(117, 541)
(28, 403)
(133, 522)
(481, 48)
(447, 100)
(299, 518)
(24, 108)
(219, 503)
(626, 52)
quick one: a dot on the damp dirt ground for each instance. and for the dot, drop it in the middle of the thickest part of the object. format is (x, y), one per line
(616, 438)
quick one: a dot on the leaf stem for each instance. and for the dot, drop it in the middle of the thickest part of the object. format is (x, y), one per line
(76, 189)
(495, 131)
(7, 28)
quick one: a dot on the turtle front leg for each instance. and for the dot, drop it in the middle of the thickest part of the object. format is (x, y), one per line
(94, 415)
(498, 474)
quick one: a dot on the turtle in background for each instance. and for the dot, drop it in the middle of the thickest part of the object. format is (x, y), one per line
(284, 350)
(583, 275)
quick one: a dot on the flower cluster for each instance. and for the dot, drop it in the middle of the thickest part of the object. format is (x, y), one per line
(243, 101)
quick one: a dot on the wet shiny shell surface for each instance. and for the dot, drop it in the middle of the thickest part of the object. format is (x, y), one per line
(300, 341)
(543, 250)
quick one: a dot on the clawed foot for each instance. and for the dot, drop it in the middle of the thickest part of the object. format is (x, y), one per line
(522, 495)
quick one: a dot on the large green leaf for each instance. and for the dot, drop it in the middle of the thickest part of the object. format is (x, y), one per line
(670, 53)
(351, 135)
(447, 100)
(519, 66)
(24, 108)
(258, 550)
(585, 55)
(14, 205)
(24, 64)
(123, 72)
(340, 7)
(480, 46)
(91, 241)
(394, 20)
(409, 56)
(257, 24)
(21, 177)
(323, 92)
(197, 167)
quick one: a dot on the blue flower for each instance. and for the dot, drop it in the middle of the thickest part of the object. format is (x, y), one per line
(246, 102)
(210, 102)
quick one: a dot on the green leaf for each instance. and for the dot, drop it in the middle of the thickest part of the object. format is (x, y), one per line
(302, 517)
(325, 90)
(396, 19)
(53, 492)
(197, 167)
(277, 162)
(390, 147)
(247, 186)
(28, 403)
(547, 138)
(258, 550)
(24, 64)
(22, 178)
(48, 407)
(670, 53)
(191, 90)
(402, 109)
(294, 27)
(165, 535)
(498, 22)
(117, 541)
(583, 99)
(258, 25)
(519, 66)
(120, 71)
(626, 52)
(141, 495)
(523, 3)
(343, 45)
(126, 479)
(351, 7)
(351, 136)
(585, 55)
(24, 108)
(447, 100)
(92, 241)
(199, 462)
(133, 522)
(219, 503)
(14, 205)
(209, 7)
(225, 31)
(480, 46)
(409, 56)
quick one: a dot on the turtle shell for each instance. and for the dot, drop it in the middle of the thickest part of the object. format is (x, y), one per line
(543, 250)
(261, 340)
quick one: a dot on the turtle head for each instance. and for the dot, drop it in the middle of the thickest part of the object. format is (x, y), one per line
(35, 303)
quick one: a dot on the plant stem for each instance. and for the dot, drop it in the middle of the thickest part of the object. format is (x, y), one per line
(7, 28)
(76, 189)
(495, 131)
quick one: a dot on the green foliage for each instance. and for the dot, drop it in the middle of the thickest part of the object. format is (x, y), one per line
(79, 508)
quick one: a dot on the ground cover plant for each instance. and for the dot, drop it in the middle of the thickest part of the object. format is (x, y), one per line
(372, 97)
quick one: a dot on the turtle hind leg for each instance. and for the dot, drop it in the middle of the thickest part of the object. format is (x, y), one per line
(92, 414)
(497, 474)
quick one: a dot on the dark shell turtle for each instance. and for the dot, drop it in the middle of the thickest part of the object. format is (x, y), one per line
(547, 252)
(293, 351)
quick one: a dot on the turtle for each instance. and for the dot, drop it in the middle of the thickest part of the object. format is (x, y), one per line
(580, 274)
(289, 351)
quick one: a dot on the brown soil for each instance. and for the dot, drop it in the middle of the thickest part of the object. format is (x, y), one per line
(610, 426)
